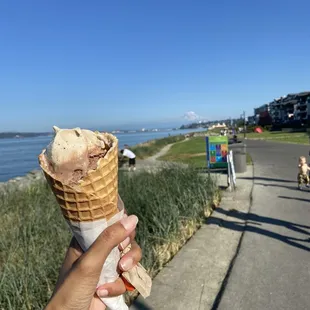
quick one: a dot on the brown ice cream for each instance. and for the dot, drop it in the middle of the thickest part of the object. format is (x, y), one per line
(74, 152)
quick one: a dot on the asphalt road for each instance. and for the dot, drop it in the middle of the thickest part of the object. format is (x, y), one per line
(272, 269)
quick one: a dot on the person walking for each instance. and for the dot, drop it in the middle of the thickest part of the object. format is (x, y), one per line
(132, 158)
(303, 174)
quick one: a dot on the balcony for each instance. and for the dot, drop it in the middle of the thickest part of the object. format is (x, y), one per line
(302, 108)
(302, 103)
(301, 114)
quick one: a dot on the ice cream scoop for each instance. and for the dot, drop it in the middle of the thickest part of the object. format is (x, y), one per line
(73, 152)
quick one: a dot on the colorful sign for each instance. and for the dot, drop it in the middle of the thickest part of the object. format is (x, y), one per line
(217, 151)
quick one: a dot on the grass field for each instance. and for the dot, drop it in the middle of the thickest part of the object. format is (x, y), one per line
(150, 148)
(34, 236)
(285, 137)
(192, 152)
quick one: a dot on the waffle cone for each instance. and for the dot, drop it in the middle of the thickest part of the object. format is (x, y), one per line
(95, 196)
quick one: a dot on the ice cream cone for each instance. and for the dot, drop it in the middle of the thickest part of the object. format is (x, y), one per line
(91, 205)
(95, 196)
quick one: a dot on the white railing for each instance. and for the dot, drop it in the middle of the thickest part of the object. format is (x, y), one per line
(231, 172)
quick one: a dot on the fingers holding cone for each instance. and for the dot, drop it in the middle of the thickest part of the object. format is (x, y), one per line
(82, 279)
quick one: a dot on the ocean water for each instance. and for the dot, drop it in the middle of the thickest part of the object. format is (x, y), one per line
(19, 156)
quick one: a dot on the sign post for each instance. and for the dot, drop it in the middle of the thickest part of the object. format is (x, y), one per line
(217, 151)
(218, 157)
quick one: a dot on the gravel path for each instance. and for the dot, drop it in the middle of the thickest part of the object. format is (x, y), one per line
(152, 162)
(162, 152)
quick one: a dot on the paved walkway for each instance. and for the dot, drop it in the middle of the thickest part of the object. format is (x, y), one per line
(193, 278)
(272, 269)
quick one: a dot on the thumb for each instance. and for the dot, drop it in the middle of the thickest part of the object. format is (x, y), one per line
(110, 238)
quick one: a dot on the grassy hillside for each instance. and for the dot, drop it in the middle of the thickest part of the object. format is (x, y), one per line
(192, 151)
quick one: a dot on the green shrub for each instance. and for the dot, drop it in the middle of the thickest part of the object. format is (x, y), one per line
(268, 127)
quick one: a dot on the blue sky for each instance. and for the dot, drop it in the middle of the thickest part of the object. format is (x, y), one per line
(113, 63)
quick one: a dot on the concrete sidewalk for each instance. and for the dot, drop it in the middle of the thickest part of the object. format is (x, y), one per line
(194, 278)
(272, 270)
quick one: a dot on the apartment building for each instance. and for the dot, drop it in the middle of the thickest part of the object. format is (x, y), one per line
(303, 107)
(287, 109)
(283, 109)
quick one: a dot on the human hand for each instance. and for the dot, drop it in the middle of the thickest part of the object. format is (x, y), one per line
(76, 287)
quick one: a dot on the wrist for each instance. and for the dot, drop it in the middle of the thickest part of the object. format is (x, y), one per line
(52, 305)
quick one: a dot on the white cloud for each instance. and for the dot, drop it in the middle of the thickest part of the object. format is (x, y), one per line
(191, 116)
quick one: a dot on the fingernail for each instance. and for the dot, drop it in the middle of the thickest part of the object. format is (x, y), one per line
(130, 222)
(125, 243)
(127, 264)
(103, 293)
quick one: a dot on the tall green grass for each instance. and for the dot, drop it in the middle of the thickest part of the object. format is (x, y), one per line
(34, 236)
(167, 203)
(33, 241)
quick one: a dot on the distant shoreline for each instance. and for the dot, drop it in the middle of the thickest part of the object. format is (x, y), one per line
(19, 135)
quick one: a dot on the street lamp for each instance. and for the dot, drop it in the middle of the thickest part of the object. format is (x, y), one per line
(242, 116)
(244, 125)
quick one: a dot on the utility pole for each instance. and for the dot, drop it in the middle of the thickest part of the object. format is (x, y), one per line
(244, 131)
(244, 125)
